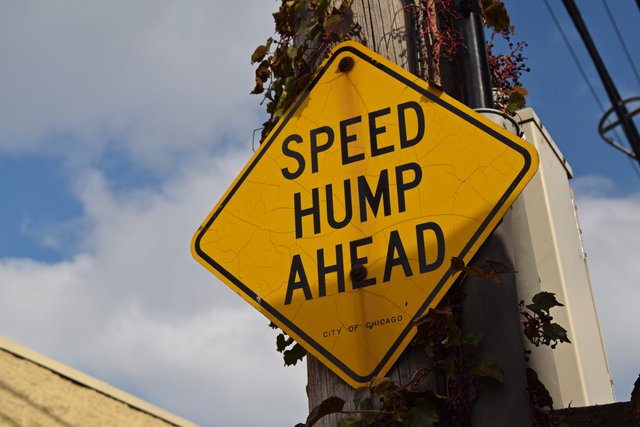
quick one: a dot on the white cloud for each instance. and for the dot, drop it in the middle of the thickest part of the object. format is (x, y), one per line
(167, 83)
(164, 84)
(610, 228)
(159, 78)
(136, 310)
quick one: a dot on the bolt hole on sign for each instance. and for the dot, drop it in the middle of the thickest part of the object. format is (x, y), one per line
(341, 227)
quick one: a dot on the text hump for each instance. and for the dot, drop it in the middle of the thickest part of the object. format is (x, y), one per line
(341, 227)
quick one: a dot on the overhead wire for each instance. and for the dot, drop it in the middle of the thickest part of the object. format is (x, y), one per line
(621, 40)
(634, 166)
(574, 56)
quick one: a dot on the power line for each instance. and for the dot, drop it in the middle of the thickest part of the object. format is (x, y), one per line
(621, 40)
(574, 56)
(625, 119)
(634, 166)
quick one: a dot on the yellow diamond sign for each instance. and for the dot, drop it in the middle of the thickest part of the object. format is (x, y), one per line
(342, 226)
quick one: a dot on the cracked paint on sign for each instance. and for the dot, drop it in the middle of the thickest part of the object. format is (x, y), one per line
(342, 226)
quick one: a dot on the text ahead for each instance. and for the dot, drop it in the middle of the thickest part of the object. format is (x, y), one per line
(340, 227)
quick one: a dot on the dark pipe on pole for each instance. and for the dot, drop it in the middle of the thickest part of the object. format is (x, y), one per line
(491, 309)
(627, 123)
(473, 60)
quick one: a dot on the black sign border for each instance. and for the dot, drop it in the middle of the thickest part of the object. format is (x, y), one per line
(264, 148)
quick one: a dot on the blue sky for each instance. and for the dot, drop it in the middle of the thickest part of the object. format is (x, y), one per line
(124, 122)
(559, 93)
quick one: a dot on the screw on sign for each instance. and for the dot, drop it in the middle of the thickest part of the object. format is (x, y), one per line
(339, 227)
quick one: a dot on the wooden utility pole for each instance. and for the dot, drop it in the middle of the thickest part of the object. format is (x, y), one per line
(490, 309)
(389, 29)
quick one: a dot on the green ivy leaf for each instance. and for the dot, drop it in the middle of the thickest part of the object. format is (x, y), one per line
(538, 390)
(382, 385)
(302, 82)
(555, 332)
(516, 102)
(330, 405)
(279, 111)
(361, 395)
(472, 339)
(312, 31)
(350, 421)
(454, 334)
(449, 368)
(517, 99)
(423, 414)
(295, 354)
(292, 51)
(289, 84)
(428, 348)
(298, 6)
(322, 6)
(488, 370)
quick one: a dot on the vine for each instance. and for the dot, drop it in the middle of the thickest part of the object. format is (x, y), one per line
(438, 41)
(506, 68)
(292, 352)
(537, 321)
(454, 364)
(305, 30)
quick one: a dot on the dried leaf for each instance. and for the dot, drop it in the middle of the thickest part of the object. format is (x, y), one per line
(517, 100)
(499, 267)
(339, 22)
(457, 264)
(328, 406)
(282, 342)
(488, 370)
(259, 53)
(295, 354)
(496, 16)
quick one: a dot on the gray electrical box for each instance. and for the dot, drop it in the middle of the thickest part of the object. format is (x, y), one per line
(549, 256)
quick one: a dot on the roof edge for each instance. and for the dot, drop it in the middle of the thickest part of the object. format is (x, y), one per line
(91, 382)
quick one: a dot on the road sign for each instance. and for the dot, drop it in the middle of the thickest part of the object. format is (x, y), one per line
(341, 227)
